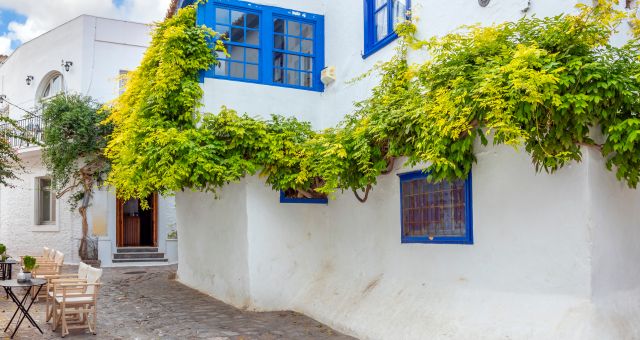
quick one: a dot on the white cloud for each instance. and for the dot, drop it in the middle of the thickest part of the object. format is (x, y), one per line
(44, 15)
(5, 45)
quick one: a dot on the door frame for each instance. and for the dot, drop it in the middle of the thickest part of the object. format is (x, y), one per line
(120, 220)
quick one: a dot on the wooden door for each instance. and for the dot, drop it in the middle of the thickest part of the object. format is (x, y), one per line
(128, 229)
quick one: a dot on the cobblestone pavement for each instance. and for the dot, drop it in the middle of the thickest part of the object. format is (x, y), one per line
(145, 303)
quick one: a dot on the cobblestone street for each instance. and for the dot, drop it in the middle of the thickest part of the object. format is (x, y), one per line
(146, 303)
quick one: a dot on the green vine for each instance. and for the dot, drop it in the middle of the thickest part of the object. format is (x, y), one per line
(545, 83)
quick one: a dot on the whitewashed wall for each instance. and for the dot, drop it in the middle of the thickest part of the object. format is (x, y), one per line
(553, 256)
(18, 228)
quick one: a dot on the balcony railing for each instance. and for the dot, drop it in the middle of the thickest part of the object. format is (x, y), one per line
(32, 132)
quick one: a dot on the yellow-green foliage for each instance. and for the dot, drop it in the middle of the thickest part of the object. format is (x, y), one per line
(539, 82)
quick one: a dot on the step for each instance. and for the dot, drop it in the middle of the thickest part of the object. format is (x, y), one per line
(138, 255)
(137, 249)
(138, 260)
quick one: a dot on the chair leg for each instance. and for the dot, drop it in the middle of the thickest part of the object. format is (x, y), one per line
(95, 318)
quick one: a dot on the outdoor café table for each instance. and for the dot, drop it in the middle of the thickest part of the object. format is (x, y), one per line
(5, 268)
(23, 304)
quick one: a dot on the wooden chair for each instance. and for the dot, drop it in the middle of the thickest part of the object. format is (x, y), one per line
(79, 277)
(75, 303)
(48, 269)
(48, 255)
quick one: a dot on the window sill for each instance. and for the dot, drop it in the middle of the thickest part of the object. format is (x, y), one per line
(370, 50)
(44, 228)
(206, 75)
(438, 240)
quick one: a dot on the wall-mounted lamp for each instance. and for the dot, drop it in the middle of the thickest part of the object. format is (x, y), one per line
(2, 98)
(483, 3)
(67, 65)
(29, 80)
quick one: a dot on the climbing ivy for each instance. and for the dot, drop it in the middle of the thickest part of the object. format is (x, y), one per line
(543, 83)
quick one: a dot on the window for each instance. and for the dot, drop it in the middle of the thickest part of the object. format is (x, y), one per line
(435, 212)
(52, 87)
(293, 52)
(266, 45)
(380, 20)
(287, 197)
(45, 202)
(240, 30)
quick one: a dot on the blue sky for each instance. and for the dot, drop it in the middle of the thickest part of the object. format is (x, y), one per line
(23, 20)
(7, 16)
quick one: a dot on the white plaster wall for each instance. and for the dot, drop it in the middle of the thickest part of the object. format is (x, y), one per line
(526, 275)
(212, 243)
(615, 226)
(18, 228)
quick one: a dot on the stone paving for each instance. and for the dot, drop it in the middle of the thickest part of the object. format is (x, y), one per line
(146, 303)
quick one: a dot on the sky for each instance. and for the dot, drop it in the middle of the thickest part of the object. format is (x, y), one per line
(23, 20)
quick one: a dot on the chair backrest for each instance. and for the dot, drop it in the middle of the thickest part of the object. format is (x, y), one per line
(93, 276)
(59, 258)
(45, 252)
(52, 254)
(83, 270)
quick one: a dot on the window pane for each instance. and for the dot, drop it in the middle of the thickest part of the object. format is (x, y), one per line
(237, 34)
(237, 18)
(236, 52)
(278, 75)
(307, 46)
(380, 3)
(293, 44)
(278, 25)
(293, 61)
(433, 209)
(307, 31)
(45, 206)
(381, 24)
(293, 78)
(252, 72)
(278, 59)
(293, 28)
(399, 12)
(222, 16)
(253, 37)
(278, 42)
(222, 69)
(252, 55)
(306, 64)
(253, 20)
(223, 31)
(236, 70)
(306, 79)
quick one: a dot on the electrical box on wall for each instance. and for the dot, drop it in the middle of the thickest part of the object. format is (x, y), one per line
(328, 75)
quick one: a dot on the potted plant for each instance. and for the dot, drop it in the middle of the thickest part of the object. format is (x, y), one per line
(3, 250)
(28, 264)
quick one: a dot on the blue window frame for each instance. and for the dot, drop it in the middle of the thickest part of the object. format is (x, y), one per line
(285, 199)
(266, 45)
(435, 212)
(380, 20)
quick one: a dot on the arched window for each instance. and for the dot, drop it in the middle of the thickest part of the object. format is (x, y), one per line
(52, 86)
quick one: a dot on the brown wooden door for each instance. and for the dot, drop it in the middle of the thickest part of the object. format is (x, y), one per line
(128, 227)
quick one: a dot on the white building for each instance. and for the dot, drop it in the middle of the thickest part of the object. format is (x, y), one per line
(96, 51)
(545, 256)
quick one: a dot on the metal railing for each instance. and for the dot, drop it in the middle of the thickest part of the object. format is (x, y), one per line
(30, 135)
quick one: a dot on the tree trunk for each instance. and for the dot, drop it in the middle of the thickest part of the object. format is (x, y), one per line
(87, 183)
